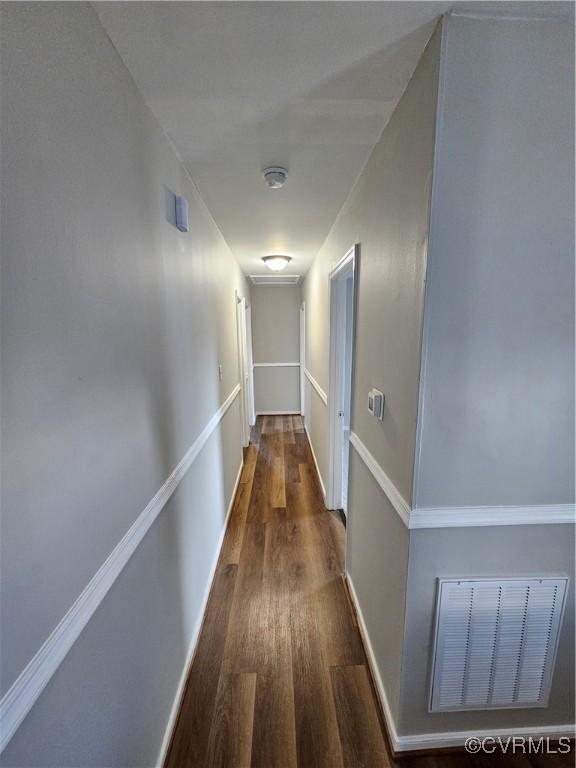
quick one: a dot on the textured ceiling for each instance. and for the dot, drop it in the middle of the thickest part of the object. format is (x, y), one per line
(241, 85)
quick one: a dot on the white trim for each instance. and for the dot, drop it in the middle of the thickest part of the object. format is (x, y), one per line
(243, 372)
(446, 738)
(302, 346)
(170, 725)
(315, 463)
(276, 365)
(394, 496)
(278, 413)
(462, 517)
(251, 407)
(458, 738)
(373, 664)
(344, 261)
(21, 696)
(277, 280)
(466, 517)
(508, 15)
(342, 271)
(319, 391)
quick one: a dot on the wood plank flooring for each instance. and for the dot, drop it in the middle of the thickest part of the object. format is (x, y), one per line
(280, 678)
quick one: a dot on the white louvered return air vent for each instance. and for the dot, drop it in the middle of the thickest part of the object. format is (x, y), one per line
(495, 642)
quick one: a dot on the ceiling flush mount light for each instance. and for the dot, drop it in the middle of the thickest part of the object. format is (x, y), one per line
(276, 263)
(275, 177)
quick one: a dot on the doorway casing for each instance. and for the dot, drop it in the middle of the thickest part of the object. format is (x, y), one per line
(343, 270)
(244, 331)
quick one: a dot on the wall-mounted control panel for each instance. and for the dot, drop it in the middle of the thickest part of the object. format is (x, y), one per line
(376, 403)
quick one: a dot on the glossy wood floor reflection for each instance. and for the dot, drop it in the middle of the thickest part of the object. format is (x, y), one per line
(280, 678)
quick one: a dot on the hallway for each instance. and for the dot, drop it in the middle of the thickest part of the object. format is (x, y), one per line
(279, 677)
(287, 384)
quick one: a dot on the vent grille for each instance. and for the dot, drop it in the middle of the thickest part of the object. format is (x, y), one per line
(495, 643)
(274, 279)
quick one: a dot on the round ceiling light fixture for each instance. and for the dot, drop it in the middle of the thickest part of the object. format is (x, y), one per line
(276, 263)
(275, 177)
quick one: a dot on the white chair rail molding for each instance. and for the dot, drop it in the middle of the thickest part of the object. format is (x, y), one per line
(462, 517)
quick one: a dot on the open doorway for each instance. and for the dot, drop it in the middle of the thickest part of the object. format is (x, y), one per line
(303, 359)
(342, 312)
(250, 368)
(243, 327)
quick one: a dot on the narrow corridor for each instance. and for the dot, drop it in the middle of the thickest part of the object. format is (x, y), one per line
(279, 677)
(287, 361)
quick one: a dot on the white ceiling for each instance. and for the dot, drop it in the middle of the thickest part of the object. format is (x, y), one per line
(241, 85)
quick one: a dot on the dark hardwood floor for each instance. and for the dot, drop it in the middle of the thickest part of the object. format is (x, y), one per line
(280, 678)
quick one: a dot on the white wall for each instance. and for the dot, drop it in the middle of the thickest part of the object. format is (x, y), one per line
(387, 213)
(495, 395)
(113, 326)
(276, 339)
(497, 412)
(511, 551)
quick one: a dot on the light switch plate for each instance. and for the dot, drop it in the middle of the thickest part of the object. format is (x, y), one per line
(376, 403)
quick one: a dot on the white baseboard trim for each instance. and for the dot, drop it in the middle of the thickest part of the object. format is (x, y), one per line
(462, 517)
(444, 739)
(322, 488)
(374, 668)
(24, 692)
(427, 741)
(319, 391)
(277, 413)
(170, 725)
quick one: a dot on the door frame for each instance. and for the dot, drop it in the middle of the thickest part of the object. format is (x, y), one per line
(303, 359)
(250, 362)
(243, 372)
(342, 270)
